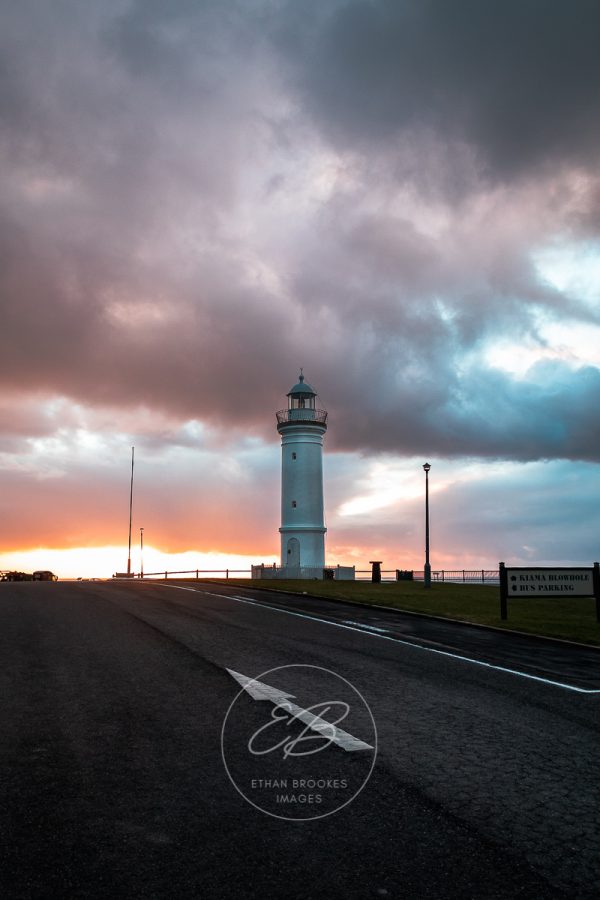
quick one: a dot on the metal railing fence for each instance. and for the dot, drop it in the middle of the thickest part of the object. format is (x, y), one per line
(196, 573)
(440, 576)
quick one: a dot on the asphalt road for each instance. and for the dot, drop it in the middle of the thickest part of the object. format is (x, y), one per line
(117, 704)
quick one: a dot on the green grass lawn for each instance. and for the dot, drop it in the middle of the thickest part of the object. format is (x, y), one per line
(573, 619)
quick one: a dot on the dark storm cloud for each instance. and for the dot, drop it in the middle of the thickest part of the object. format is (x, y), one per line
(104, 163)
(519, 80)
(488, 414)
(167, 241)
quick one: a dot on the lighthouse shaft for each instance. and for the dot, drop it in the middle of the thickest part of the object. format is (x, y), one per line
(302, 519)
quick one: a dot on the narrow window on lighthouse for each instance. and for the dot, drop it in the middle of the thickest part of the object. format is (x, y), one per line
(293, 456)
(294, 504)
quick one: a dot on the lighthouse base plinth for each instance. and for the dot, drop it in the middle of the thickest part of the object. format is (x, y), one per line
(304, 573)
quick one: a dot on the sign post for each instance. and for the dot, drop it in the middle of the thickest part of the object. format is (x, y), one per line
(503, 592)
(549, 582)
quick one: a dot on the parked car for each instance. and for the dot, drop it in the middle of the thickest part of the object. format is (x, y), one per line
(44, 575)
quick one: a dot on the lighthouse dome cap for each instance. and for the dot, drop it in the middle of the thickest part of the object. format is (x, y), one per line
(302, 388)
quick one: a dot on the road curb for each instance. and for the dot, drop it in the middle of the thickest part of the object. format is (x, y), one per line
(410, 612)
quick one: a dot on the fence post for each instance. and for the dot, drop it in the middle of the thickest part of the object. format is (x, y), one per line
(227, 573)
(596, 579)
(482, 577)
(166, 576)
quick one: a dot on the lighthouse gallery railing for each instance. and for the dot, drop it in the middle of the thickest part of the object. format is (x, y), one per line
(301, 415)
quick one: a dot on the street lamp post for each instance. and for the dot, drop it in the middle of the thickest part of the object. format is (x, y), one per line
(130, 512)
(427, 570)
(141, 552)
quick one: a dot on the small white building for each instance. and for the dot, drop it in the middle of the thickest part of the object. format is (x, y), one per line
(302, 428)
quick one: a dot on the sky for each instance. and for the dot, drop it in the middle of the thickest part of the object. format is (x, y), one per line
(199, 197)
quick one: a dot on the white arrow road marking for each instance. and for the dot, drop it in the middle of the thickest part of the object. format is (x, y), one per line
(258, 690)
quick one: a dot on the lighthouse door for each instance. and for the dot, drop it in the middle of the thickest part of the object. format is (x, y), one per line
(293, 552)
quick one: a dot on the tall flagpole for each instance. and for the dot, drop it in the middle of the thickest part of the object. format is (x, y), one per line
(130, 510)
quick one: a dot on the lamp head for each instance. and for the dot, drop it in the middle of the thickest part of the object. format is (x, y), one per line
(426, 467)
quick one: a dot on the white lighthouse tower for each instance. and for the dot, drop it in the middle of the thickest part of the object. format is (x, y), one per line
(302, 428)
